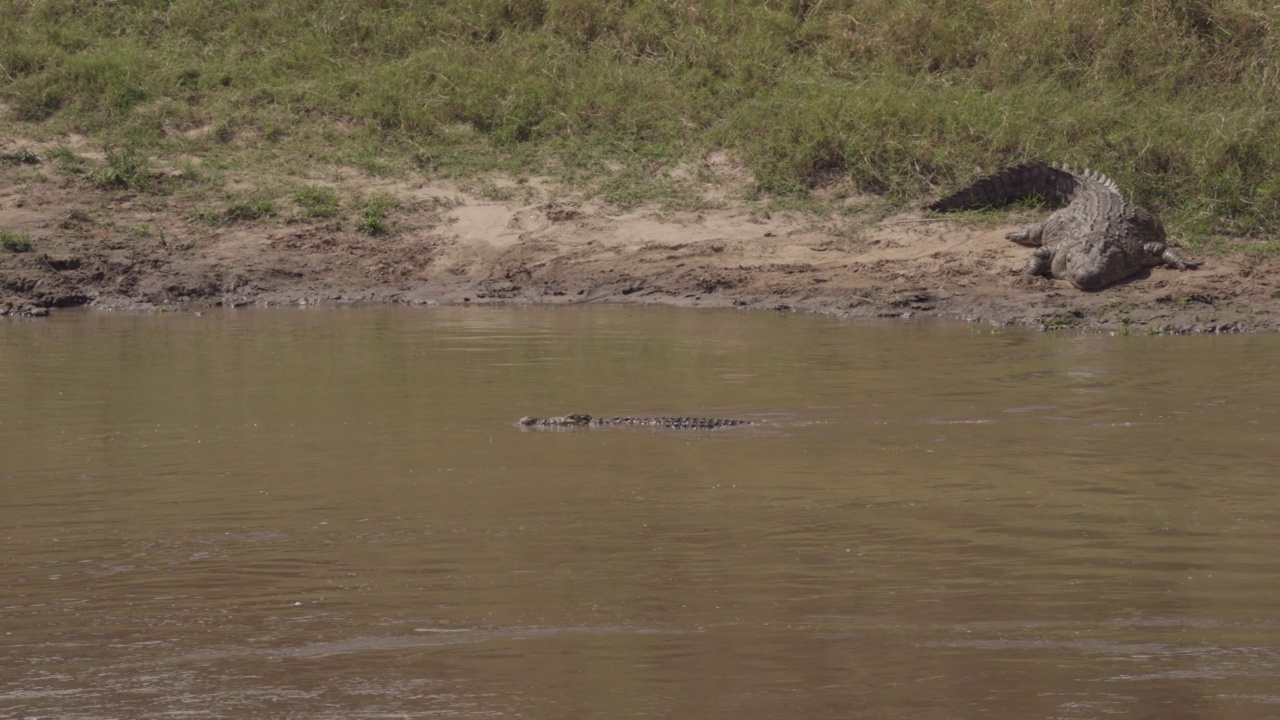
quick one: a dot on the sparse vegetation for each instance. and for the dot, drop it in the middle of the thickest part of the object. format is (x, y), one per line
(75, 219)
(317, 202)
(125, 169)
(67, 161)
(207, 216)
(1174, 98)
(250, 207)
(1064, 321)
(21, 157)
(373, 216)
(15, 242)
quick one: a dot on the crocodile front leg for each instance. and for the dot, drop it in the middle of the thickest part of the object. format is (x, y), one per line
(1030, 236)
(1040, 262)
(1161, 253)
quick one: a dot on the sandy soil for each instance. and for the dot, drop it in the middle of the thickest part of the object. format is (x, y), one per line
(114, 250)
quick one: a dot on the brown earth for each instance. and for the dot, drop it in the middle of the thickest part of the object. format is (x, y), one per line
(116, 250)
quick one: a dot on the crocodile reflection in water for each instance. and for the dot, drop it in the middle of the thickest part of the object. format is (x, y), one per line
(677, 423)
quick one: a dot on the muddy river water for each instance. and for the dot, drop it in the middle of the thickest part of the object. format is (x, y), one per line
(331, 514)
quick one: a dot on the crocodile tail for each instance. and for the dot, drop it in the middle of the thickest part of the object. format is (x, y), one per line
(1058, 184)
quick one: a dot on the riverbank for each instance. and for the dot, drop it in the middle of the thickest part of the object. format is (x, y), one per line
(525, 240)
(757, 154)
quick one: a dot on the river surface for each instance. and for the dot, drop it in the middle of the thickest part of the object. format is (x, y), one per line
(331, 514)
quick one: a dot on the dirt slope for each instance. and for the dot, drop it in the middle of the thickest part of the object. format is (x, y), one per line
(113, 250)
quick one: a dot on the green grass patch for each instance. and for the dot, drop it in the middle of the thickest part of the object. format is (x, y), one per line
(373, 216)
(903, 99)
(15, 242)
(24, 156)
(250, 207)
(317, 202)
(125, 168)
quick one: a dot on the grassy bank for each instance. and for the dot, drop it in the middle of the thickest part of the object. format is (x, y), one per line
(1174, 98)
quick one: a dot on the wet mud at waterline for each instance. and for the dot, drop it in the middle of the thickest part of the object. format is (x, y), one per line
(331, 513)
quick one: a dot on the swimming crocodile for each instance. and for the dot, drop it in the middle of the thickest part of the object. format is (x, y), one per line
(1097, 239)
(678, 423)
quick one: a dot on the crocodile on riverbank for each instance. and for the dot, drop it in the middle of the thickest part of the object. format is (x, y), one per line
(1097, 239)
(678, 423)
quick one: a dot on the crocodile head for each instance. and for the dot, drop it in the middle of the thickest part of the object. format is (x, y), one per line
(566, 420)
(1096, 267)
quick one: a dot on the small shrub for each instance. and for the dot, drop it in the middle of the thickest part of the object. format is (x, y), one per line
(250, 208)
(15, 242)
(126, 169)
(373, 218)
(21, 157)
(206, 216)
